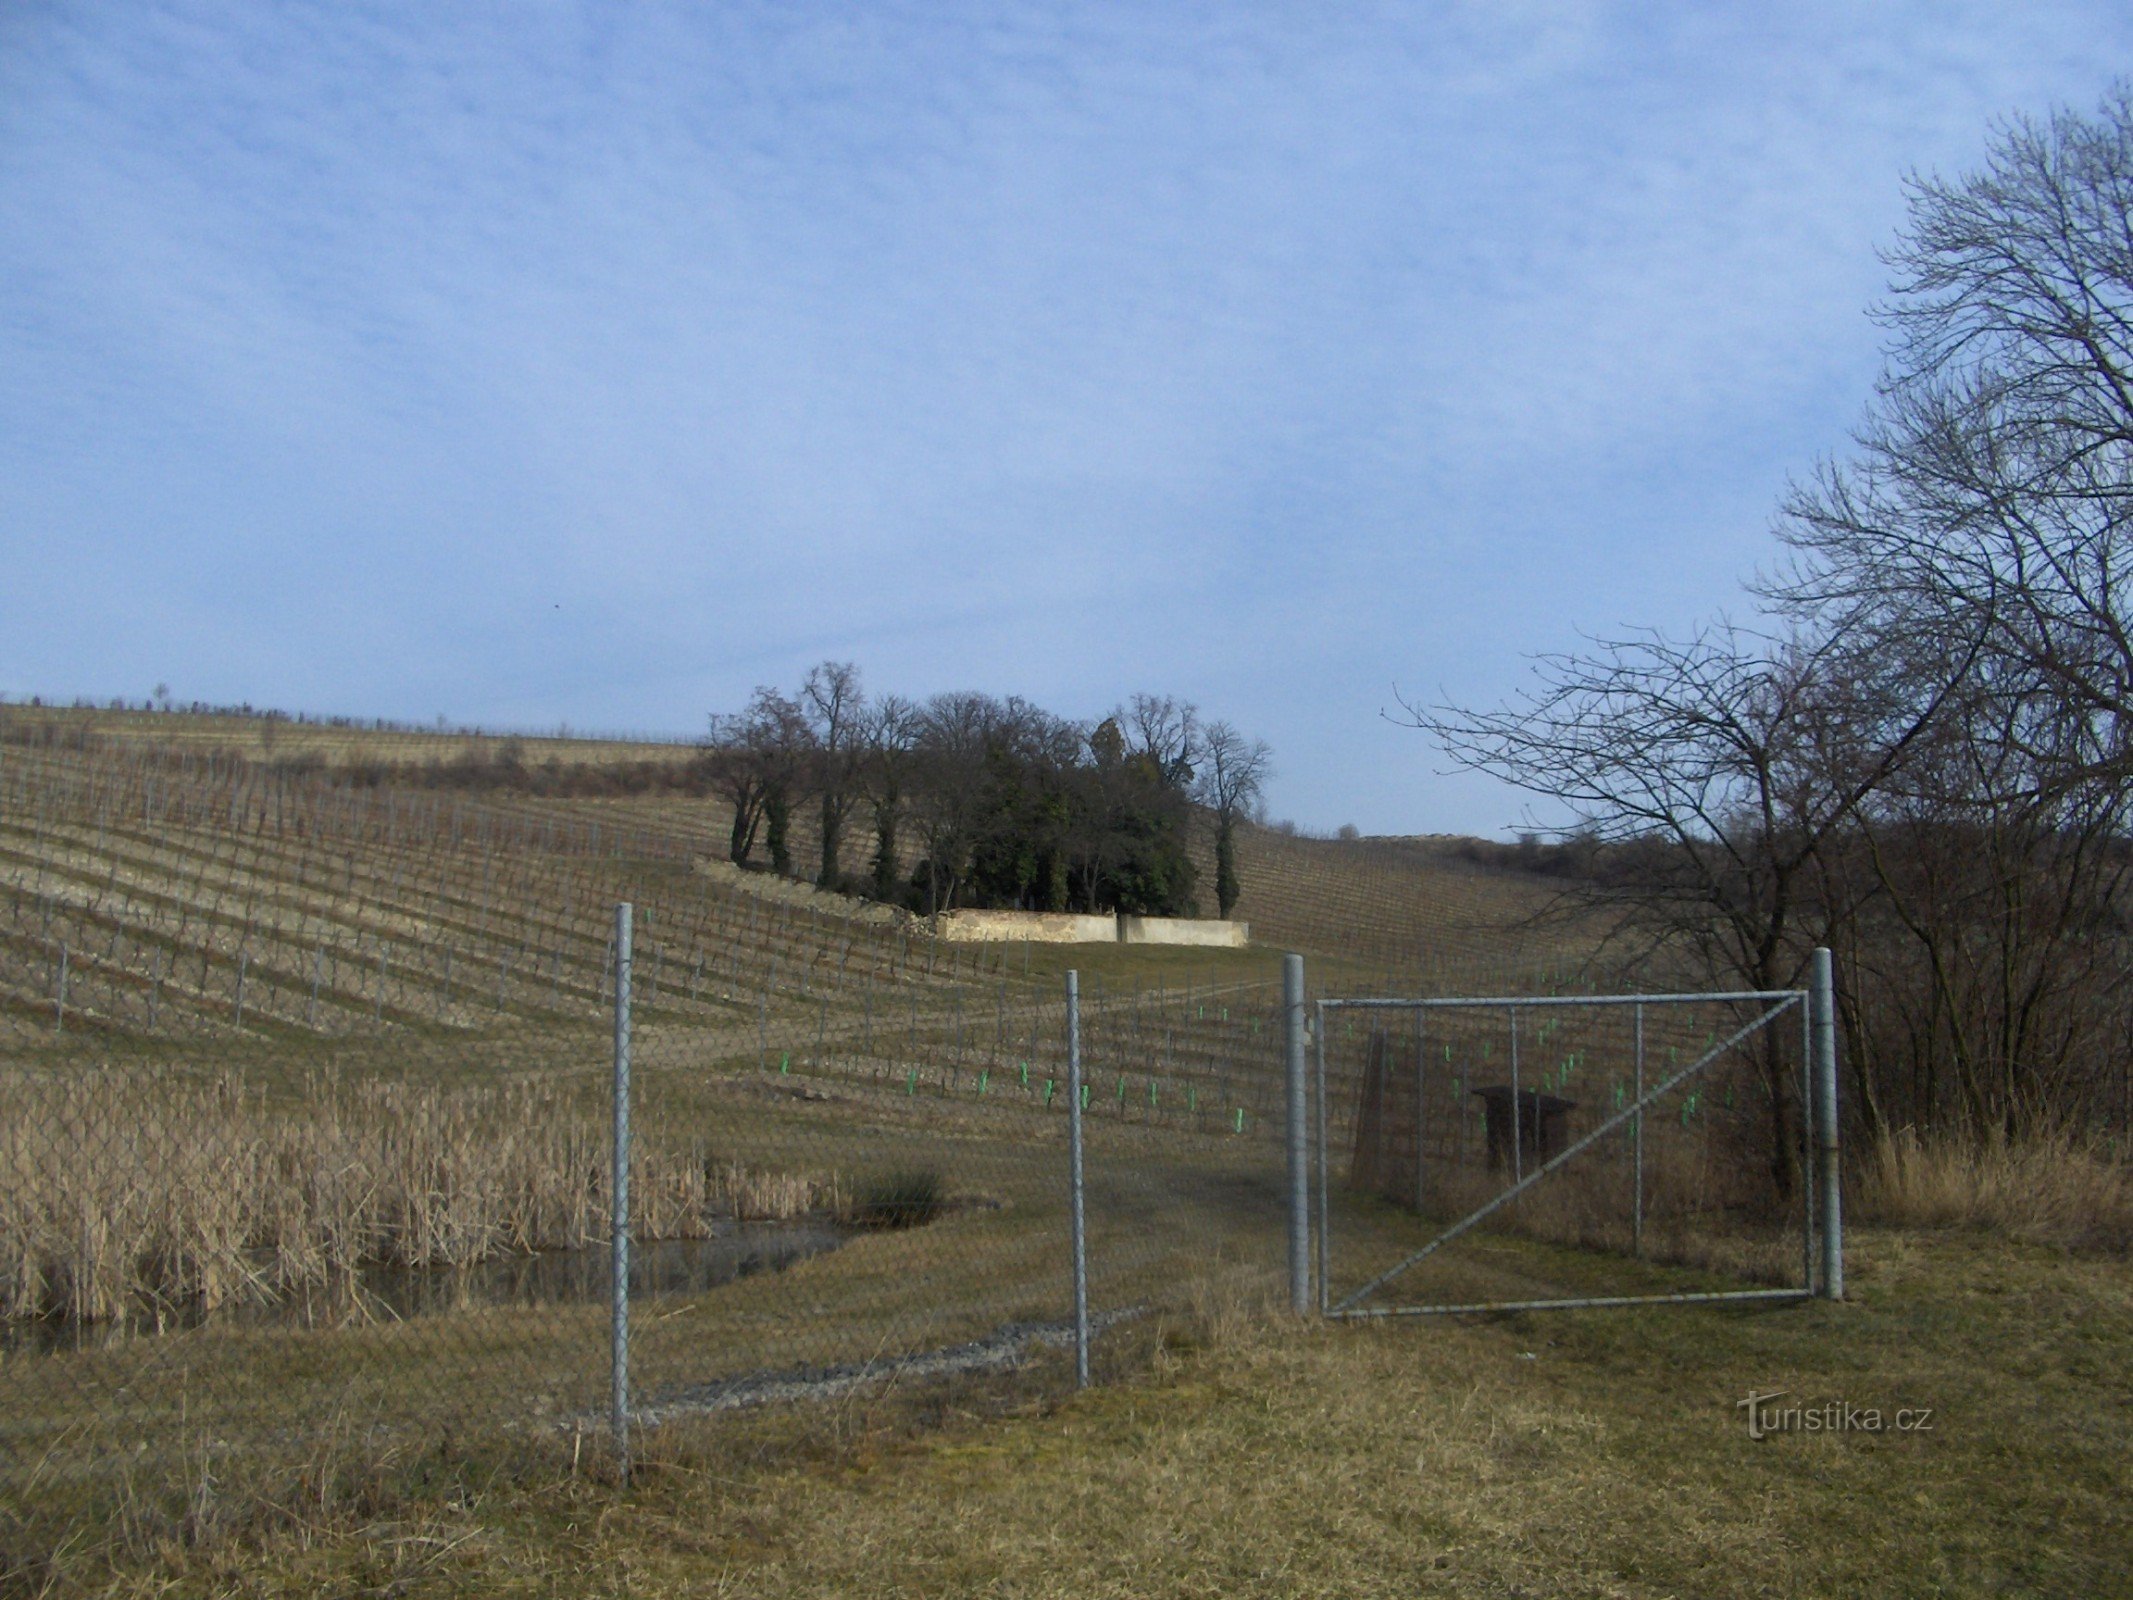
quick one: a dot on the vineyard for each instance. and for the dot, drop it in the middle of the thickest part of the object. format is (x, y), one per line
(305, 1080)
(188, 884)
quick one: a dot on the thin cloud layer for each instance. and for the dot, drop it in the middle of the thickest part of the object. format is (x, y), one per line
(596, 363)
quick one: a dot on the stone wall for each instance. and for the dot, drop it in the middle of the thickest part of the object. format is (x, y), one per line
(1063, 927)
(1184, 930)
(1040, 927)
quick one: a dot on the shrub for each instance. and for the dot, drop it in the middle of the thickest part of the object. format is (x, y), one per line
(907, 1199)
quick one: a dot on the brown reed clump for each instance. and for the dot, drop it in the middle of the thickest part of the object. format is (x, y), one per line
(124, 1190)
(2050, 1188)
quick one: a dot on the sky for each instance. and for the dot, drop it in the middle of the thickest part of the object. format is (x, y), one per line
(536, 364)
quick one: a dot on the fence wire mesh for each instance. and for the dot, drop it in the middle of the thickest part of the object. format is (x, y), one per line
(307, 1117)
(305, 1146)
(1546, 1149)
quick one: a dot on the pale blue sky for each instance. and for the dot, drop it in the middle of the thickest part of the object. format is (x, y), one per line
(533, 363)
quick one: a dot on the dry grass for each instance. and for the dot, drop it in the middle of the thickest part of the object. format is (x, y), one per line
(1691, 1220)
(143, 1190)
(1235, 1452)
(101, 1444)
(2054, 1188)
(266, 739)
(1576, 1455)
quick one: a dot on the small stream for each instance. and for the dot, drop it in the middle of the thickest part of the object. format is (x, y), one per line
(389, 1293)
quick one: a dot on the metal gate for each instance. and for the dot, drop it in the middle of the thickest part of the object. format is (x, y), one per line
(1530, 1152)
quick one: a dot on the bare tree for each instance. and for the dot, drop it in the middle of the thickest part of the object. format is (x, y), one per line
(1990, 941)
(757, 760)
(887, 731)
(835, 707)
(949, 763)
(1165, 731)
(1933, 766)
(737, 777)
(1717, 767)
(1979, 535)
(1991, 494)
(1233, 772)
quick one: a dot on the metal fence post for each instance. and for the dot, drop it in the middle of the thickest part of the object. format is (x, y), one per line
(1518, 1112)
(1325, 1209)
(619, 1287)
(1824, 1000)
(1292, 1010)
(1810, 1186)
(1421, 1101)
(1074, 1185)
(1636, 1160)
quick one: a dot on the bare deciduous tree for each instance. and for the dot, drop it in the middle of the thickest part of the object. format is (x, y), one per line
(1990, 499)
(1233, 772)
(1978, 536)
(1165, 731)
(949, 761)
(757, 761)
(1932, 766)
(887, 731)
(1717, 767)
(835, 706)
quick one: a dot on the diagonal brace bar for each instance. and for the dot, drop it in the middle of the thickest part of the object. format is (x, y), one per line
(1617, 1120)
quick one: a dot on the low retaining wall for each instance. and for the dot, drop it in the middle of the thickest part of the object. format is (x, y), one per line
(1066, 927)
(1184, 930)
(1039, 927)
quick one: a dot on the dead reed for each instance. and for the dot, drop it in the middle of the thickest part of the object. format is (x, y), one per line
(128, 1191)
(2050, 1188)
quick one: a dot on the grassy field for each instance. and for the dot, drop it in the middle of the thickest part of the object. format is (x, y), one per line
(260, 1036)
(1600, 1454)
(337, 744)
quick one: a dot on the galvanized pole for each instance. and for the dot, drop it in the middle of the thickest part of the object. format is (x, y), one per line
(619, 1266)
(1518, 1112)
(1074, 1187)
(1636, 1215)
(1808, 1195)
(1421, 1096)
(1325, 1211)
(1824, 999)
(1292, 1003)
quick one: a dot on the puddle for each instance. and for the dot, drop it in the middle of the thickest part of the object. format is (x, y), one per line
(393, 1293)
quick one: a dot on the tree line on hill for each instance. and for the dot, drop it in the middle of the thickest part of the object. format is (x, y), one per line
(996, 802)
(1003, 804)
(1922, 755)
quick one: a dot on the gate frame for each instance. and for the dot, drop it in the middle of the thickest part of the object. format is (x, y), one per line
(1818, 1116)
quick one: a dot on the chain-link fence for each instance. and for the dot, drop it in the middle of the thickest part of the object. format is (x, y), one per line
(308, 1144)
(1574, 1150)
(307, 1150)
